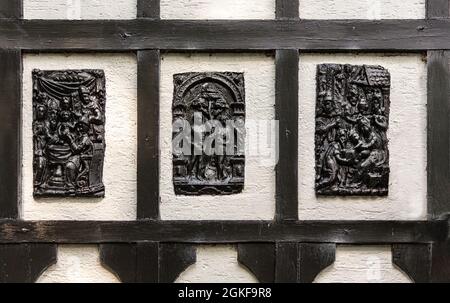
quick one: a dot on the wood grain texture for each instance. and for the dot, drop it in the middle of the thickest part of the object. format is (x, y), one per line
(313, 259)
(286, 9)
(132, 263)
(139, 34)
(438, 133)
(286, 105)
(414, 260)
(287, 263)
(120, 259)
(259, 259)
(438, 8)
(148, 9)
(24, 263)
(10, 124)
(440, 262)
(341, 232)
(148, 135)
(11, 9)
(174, 258)
(147, 262)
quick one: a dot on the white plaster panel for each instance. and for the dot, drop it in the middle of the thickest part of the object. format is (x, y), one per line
(407, 136)
(79, 9)
(218, 9)
(257, 201)
(216, 264)
(362, 9)
(77, 264)
(119, 172)
(363, 264)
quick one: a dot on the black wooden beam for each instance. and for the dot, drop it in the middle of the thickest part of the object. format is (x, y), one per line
(438, 121)
(437, 9)
(286, 262)
(313, 259)
(286, 106)
(148, 121)
(259, 259)
(287, 9)
(147, 262)
(148, 9)
(11, 9)
(147, 33)
(414, 260)
(341, 232)
(10, 109)
(24, 263)
(148, 135)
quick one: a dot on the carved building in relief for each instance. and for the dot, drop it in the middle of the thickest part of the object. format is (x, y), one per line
(68, 132)
(352, 119)
(209, 133)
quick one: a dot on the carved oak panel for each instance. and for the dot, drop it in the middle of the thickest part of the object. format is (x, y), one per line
(208, 133)
(68, 132)
(352, 118)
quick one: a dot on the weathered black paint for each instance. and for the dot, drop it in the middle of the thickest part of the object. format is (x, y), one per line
(123, 242)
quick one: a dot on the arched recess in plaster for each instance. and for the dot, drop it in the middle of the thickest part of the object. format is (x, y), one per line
(216, 264)
(77, 264)
(363, 264)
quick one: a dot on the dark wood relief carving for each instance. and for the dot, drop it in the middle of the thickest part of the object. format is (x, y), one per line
(208, 133)
(68, 132)
(352, 118)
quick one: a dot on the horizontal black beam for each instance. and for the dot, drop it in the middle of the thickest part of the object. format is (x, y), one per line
(138, 34)
(341, 232)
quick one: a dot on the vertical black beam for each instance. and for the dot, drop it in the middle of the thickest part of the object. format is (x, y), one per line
(287, 9)
(439, 144)
(148, 135)
(148, 9)
(287, 263)
(286, 105)
(10, 110)
(438, 121)
(438, 8)
(148, 123)
(11, 9)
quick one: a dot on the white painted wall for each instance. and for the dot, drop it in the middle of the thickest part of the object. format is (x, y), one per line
(215, 263)
(407, 143)
(257, 201)
(218, 9)
(121, 146)
(362, 264)
(362, 9)
(77, 264)
(79, 9)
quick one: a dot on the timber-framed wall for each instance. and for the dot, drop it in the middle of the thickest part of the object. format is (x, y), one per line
(282, 250)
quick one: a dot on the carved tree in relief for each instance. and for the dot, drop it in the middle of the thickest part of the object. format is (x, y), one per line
(68, 132)
(352, 118)
(209, 133)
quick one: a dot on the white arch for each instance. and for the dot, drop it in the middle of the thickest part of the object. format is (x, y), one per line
(216, 264)
(362, 264)
(77, 264)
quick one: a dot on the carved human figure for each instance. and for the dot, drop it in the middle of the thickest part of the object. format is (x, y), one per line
(352, 118)
(91, 112)
(40, 136)
(81, 147)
